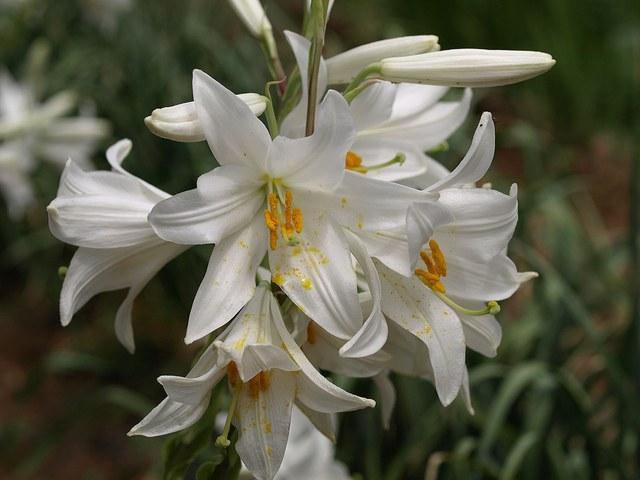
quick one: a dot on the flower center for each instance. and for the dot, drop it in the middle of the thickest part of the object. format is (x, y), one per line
(436, 264)
(281, 217)
(353, 162)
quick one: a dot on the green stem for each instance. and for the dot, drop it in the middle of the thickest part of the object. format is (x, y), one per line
(319, 12)
(492, 307)
(270, 49)
(361, 77)
(270, 114)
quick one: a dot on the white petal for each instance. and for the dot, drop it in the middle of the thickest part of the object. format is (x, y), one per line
(482, 333)
(263, 420)
(325, 423)
(314, 390)
(233, 132)
(435, 172)
(362, 203)
(387, 397)
(317, 275)
(477, 160)
(412, 99)
(373, 106)
(316, 162)
(416, 309)
(373, 334)
(390, 247)
(229, 282)
(497, 279)
(482, 225)
(293, 126)
(426, 129)
(227, 198)
(344, 66)
(252, 15)
(466, 392)
(169, 417)
(93, 271)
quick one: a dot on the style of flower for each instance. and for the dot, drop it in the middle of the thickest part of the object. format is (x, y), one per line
(105, 214)
(30, 130)
(267, 374)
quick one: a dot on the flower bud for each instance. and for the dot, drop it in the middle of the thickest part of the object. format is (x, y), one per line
(467, 67)
(252, 15)
(181, 123)
(346, 65)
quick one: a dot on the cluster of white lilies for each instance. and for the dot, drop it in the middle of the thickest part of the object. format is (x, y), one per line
(340, 245)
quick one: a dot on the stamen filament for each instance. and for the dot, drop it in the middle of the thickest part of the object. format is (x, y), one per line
(492, 307)
(223, 439)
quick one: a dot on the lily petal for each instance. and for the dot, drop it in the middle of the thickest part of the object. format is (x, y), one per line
(387, 396)
(233, 132)
(317, 275)
(169, 417)
(264, 417)
(373, 106)
(408, 303)
(482, 333)
(423, 220)
(477, 160)
(316, 162)
(373, 334)
(314, 390)
(229, 282)
(227, 198)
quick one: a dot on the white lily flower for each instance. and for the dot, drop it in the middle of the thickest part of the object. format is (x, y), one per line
(180, 122)
(105, 214)
(267, 373)
(29, 130)
(395, 124)
(342, 67)
(467, 67)
(252, 15)
(287, 196)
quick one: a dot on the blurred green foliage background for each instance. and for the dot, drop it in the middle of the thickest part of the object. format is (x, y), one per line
(561, 400)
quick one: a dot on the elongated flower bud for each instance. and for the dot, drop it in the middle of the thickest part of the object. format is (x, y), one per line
(467, 67)
(346, 65)
(252, 15)
(180, 122)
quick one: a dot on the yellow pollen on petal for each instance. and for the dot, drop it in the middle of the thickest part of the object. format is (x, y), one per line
(352, 161)
(278, 279)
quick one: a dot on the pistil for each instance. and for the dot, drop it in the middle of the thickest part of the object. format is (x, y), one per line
(353, 162)
(235, 383)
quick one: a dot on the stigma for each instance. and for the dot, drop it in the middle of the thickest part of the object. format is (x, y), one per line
(282, 219)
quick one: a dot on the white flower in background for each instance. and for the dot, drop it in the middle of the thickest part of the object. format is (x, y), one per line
(467, 67)
(105, 214)
(285, 196)
(180, 122)
(309, 453)
(252, 15)
(267, 374)
(395, 124)
(29, 131)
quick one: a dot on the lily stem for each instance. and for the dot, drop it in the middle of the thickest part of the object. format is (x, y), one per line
(319, 10)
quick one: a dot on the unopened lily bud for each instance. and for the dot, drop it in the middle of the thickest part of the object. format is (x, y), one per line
(252, 15)
(181, 123)
(346, 65)
(467, 67)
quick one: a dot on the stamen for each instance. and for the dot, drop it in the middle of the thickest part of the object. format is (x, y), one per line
(234, 379)
(287, 228)
(438, 257)
(289, 222)
(491, 307)
(352, 161)
(311, 333)
(259, 383)
(298, 220)
(428, 261)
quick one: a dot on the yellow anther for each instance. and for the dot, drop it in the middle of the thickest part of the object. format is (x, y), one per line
(353, 161)
(259, 383)
(298, 220)
(439, 287)
(273, 203)
(428, 261)
(311, 333)
(271, 220)
(438, 257)
(427, 277)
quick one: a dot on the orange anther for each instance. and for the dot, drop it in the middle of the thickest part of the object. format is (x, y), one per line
(428, 261)
(273, 239)
(312, 336)
(438, 257)
(232, 374)
(298, 220)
